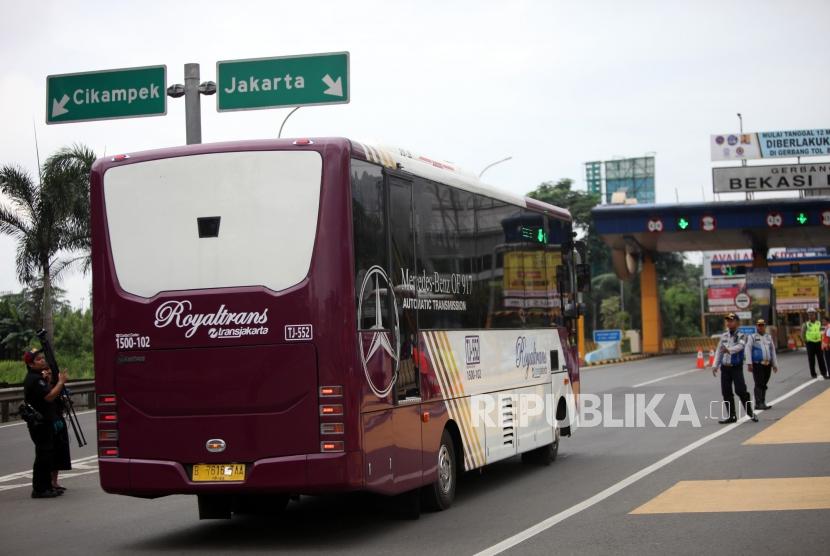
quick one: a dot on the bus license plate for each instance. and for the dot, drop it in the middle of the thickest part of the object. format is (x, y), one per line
(204, 472)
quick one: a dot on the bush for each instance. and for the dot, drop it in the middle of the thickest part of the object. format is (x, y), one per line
(80, 368)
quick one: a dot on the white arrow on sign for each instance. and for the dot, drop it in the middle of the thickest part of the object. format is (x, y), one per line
(58, 108)
(335, 87)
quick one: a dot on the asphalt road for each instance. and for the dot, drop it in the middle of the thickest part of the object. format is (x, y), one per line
(581, 504)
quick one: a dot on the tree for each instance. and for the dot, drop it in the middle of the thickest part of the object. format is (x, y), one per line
(580, 204)
(49, 219)
(17, 324)
(69, 170)
(612, 316)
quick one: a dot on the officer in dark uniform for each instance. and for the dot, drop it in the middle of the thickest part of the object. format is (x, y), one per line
(41, 395)
(729, 360)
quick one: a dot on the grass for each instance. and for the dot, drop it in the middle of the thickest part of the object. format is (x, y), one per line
(79, 367)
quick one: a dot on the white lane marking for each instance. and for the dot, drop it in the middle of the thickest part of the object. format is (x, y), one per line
(610, 491)
(666, 377)
(24, 422)
(80, 463)
(29, 483)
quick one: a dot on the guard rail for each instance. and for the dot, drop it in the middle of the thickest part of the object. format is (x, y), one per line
(10, 398)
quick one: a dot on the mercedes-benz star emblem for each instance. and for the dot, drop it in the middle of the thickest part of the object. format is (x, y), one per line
(385, 339)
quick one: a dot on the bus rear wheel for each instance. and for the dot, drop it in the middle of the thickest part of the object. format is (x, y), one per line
(440, 494)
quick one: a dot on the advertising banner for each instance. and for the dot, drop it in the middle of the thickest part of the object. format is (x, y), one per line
(796, 293)
(785, 177)
(759, 286)
(530, 279)
(770, 144)
(722, 295)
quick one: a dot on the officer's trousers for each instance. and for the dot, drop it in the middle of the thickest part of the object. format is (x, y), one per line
(813, 353)
(728, 375)
(761, 374)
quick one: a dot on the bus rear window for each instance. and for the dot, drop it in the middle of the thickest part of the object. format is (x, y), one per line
(213, 220)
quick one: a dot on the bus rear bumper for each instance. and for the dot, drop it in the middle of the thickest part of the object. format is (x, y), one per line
(301, 474)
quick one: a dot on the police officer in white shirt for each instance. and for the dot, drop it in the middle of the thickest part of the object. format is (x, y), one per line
(760, 353)
(729, 360)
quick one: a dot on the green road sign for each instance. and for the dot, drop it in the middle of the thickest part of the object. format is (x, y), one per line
(107, 94)
(286, 81)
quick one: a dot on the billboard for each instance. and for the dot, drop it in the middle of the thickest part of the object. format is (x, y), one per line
(783, 177)
(635, 176)
(725, 296)
(796, 293)
(770, 144)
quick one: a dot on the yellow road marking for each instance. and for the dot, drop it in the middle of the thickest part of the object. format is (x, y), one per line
(805, 424)
(742, 495)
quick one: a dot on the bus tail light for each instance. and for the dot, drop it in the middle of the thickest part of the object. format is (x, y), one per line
(107, 426)
(108, 418)
(331, 409)
(332, 428)
(331, 446)
(106, 399)
(107, 436)
(108, 452)
(331, 391)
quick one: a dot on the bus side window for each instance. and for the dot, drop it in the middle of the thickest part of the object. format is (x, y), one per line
(369, 229)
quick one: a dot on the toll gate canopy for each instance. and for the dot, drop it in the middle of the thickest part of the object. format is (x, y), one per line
(756, 224)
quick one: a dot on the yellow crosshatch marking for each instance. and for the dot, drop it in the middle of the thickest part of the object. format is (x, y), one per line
(805, 424)
(742, 495)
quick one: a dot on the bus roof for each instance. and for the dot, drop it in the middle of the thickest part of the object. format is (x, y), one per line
(390, 157)
(448, 174)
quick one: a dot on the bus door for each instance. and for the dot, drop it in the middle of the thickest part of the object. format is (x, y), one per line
(406, 418)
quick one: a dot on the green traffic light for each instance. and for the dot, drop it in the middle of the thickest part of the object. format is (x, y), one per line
(682, 223)
(801, 218)
(541, 237)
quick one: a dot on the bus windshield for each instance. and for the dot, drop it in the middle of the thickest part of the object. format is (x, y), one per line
(213, 220)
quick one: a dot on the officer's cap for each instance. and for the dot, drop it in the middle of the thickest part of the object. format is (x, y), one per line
(731, 316)
(761, 322)
(30, 355)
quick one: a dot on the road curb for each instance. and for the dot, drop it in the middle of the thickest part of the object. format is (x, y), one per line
(618, 360)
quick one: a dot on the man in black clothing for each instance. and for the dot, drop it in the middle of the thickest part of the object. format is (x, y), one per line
(41, 395)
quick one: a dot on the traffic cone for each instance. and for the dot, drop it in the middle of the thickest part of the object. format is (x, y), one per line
(791, 343)
(699, 358)
(711, 358)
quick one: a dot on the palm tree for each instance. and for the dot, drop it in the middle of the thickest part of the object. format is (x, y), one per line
(49, 220)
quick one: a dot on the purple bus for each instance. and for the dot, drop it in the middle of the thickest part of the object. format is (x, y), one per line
(284, 317)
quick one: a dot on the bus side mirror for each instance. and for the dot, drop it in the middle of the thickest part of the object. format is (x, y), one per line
(563, 280)
(583, 278)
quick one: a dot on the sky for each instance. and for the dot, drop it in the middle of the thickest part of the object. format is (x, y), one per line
(553, 84)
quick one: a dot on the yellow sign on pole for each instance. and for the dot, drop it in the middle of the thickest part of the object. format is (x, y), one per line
(796, 293)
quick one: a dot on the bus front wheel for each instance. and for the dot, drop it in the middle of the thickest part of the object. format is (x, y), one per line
(440, 494)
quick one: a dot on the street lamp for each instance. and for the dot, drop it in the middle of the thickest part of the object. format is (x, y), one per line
(493, 164)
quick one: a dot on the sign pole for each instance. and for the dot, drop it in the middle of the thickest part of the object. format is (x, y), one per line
(192, 104)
